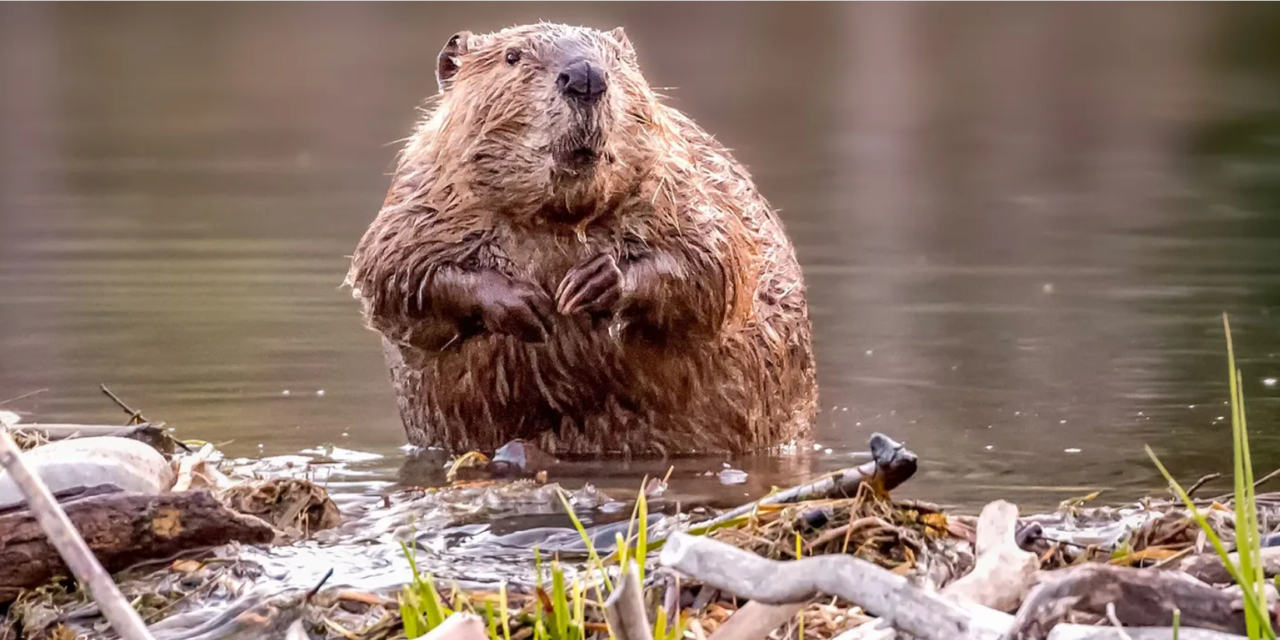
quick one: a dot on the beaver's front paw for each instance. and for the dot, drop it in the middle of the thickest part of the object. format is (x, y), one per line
(594, 287)
(516, 309)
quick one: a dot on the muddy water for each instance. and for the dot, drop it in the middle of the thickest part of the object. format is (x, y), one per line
(1019, 223)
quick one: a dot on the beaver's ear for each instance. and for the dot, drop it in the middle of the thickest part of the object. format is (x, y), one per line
(450, 59)
(621, 36)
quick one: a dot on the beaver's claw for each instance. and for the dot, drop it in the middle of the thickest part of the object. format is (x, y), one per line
(594, 287)
(517, 309)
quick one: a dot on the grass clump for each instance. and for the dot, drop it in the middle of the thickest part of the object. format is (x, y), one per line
(1248, 572)
(559, 609)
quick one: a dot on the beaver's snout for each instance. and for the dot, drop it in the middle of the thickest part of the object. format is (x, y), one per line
(581, 81)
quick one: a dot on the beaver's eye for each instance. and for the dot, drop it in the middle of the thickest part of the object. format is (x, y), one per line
(513, 56)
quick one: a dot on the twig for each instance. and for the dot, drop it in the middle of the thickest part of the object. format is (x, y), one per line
(316, 589)
(624, 610)
(1115, 622)
(64, 537)
(211, 580)
(1201, 482)
(843, 531)
(135, 417)
(1062, 542)
(1258, 483)
(886, 452)
(22, 397)
(1174, 558)
(755, 620)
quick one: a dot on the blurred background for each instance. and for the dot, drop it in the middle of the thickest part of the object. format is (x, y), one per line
(1020, 223)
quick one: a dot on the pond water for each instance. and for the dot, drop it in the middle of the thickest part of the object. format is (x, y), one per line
(1020, 224)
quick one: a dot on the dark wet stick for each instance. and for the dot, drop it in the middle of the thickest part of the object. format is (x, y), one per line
(891, 465)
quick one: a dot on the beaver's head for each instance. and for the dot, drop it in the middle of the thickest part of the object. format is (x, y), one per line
(545, 120)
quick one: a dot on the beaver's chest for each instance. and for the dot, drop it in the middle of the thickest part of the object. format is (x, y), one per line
(544, 255)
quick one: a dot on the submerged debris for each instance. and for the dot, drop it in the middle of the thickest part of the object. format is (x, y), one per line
(296, 507)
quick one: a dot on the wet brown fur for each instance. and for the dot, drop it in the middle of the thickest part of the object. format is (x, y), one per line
(708, 349)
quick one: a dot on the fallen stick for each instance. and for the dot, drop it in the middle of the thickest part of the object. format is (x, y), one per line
(1085, 632)
(67, 541)
(755, 620)
(1142, 598)
(891, 464)
(926, 615)
(624, 609)
(1003, 572)
(908, 608)
(1208, 567)
(122, 529)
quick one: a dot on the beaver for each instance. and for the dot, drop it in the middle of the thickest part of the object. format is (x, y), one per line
(562, 258)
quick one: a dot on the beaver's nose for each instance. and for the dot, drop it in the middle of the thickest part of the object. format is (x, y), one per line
(581, 80)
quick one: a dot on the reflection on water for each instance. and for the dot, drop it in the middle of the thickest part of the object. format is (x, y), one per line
(1019, 224)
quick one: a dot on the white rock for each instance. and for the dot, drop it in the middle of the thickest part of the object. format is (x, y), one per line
(86, 462)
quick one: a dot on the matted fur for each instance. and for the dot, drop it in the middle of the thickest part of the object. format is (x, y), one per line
(710, 348)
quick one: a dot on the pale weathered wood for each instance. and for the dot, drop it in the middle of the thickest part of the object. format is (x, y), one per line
(459, 626)
(1084, 632)
(925, 615)
(1142, 598)
(624, 609)
(1208, 567)
(1003, 572)
(755, 620)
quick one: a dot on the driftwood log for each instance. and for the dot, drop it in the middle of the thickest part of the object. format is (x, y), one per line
(1142, 598)
(121, 529)
(882, 593)
(1208, 567)
(1082, 632)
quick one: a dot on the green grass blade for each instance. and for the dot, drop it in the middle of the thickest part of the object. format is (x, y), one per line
(506, 608)
(559, 602)
(1248, 537)
(1251, 502)
(1243, 539)
(492, 619)
(586, 540)
(433, 606)
(411, 615)
(1177, 622)
(622, 546)
(800, 614)
(579, 609)
(642, 537)
(660, 624)
(1249, 595)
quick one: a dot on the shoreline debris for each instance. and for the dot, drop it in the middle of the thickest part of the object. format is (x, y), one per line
(834, 558)
(63, 536)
